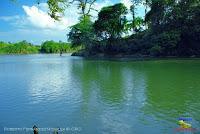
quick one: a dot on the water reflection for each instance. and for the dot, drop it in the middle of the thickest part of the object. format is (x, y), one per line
(112, 92)
(98, 96)
(172, 91)
(105, 79)
(149, 91)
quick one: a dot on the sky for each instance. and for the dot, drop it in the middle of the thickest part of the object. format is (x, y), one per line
(27, 20)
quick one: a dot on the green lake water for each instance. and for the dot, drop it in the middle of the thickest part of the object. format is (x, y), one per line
(98, 96)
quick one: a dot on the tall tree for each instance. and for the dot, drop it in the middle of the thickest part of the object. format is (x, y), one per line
(136, 21)
(82, 33)
(134, 5)
(111, 21)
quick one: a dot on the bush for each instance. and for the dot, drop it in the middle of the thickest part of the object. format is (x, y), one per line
(165, 42)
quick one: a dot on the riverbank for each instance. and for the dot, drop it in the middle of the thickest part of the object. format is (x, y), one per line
(117, 57)
(121, 56)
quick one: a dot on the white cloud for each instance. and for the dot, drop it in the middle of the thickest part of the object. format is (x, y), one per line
(37, 26)
(40, 19)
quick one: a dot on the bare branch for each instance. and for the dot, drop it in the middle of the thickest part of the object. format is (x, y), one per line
(90, 6)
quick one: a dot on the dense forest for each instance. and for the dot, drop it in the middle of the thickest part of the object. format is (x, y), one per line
(24, 47)
(169, 28)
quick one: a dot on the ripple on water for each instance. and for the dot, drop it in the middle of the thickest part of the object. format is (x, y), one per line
(112, 97)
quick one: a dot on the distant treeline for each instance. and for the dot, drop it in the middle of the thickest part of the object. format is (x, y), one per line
(22, 47)
(57, 47)
(25, 47)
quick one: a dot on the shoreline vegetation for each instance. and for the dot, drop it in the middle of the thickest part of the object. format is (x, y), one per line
(134, 57)
(48, 47)
(52, 47)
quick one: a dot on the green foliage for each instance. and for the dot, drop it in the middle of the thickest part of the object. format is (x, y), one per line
(183, 18)
(3, 44)
(57, 7)
(135, 25)
(137, 22)
(111, 22)
(22, 47)
(56, 47)
(50, 47)
(82, 33)
(156, 50)
(157, 12)
(164, 44)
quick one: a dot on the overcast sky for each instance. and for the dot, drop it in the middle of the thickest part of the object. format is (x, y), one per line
(26, 20)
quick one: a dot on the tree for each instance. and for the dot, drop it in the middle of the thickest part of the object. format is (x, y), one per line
(136, 22)
(175, 18)
(155, 15)
(133, 7)
(56, 47)
(82, 33)
(50, 47)
(111, 22)
(146, 3)
(159, 9)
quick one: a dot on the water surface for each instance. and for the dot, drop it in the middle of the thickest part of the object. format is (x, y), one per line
(122, 97)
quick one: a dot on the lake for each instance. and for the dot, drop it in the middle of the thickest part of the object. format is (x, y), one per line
(97, 96)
